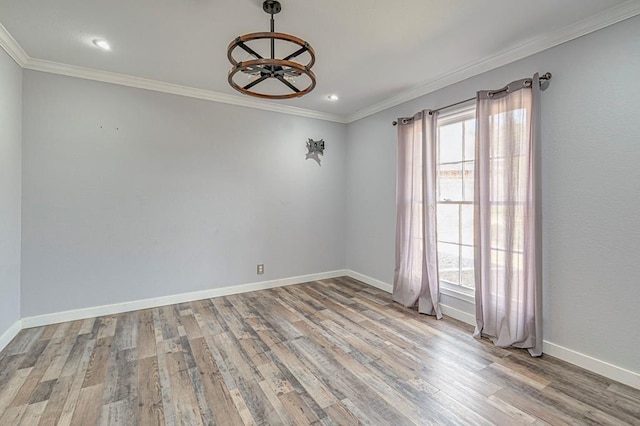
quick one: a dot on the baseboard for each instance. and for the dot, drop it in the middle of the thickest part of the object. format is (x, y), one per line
(368, 280)
(8, 335)
(587, 362)
(594, 365)
(458, 314)
(619, 374)
(118, 308)
(446, 310)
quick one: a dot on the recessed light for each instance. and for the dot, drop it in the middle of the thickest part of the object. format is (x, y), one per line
(333, 97)
(102, 44)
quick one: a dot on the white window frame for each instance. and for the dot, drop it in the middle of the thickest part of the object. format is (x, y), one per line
(461, 113)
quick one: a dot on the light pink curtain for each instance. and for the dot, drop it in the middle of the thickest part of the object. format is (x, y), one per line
(416, 279)
(507, 217)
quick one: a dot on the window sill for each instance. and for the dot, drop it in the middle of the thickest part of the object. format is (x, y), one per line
(466, 295)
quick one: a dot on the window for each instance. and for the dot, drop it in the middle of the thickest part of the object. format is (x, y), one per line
(455, 185)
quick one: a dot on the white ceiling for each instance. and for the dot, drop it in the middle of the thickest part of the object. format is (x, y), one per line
(372, 53)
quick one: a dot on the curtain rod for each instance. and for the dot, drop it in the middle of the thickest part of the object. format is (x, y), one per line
(545, 76)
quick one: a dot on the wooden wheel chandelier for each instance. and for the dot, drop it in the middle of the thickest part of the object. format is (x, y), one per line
(269, 77)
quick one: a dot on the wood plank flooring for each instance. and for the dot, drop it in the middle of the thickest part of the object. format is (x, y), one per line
(328, 352)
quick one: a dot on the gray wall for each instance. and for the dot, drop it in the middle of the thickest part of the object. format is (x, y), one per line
(590, 173)
(10, 187)
(131, 194)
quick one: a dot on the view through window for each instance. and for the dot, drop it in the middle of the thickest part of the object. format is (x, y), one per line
(455, 183)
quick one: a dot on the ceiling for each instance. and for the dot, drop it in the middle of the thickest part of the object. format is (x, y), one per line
(371, 53)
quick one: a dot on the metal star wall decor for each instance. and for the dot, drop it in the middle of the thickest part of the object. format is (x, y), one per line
(315, 148)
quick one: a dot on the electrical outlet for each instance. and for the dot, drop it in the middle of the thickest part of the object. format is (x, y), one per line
(260, 269)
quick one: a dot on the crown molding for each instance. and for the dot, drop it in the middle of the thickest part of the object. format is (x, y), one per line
(596, 22)
(174, 89)
(15, 51)
(11, 46)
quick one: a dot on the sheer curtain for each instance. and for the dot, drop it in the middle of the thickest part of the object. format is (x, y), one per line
(416, 279)
(507, 217)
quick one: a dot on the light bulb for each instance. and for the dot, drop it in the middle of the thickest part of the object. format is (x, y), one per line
(102, 44)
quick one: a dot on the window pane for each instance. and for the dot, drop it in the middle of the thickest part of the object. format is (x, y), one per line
(468, 173)
(450, 182)
(466, 223)
(517, 263)
(516, 189)
(496, 166)
(497, 261)
(470, 139)
(468, 271)
(497, 232)
(448, 262)
(448, 222)
(505, 237)
(450, 143)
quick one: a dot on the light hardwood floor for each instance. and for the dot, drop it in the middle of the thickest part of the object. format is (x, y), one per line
(328, 352)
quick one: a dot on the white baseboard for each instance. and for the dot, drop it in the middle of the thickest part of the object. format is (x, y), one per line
(11, 332)
(622, 375)
(368, 280)
(446, 310)
(619, 374)
(117, 308)
(465, 317)
(597, 366)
